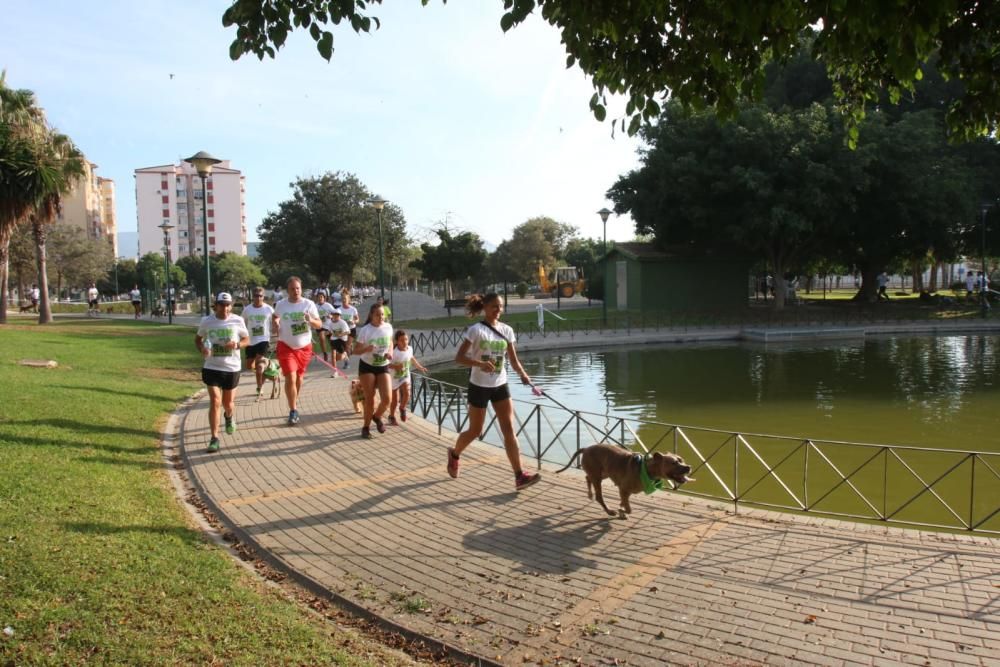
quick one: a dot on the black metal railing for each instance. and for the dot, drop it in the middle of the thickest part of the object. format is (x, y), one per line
(913, 486)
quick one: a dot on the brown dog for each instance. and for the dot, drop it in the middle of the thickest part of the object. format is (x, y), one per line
(357, 395)
(272, 372)
(622, 465)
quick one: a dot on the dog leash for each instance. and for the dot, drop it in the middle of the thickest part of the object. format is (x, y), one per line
(538, 391)
(332, 367)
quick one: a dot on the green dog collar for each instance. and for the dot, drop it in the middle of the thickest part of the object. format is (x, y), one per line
(648, 485)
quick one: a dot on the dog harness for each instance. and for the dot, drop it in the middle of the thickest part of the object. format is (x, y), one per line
(649, 485)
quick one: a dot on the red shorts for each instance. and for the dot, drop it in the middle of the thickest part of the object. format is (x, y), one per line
(292, 360)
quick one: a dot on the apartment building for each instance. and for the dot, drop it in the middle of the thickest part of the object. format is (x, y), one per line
(90, 205)
(173, 194)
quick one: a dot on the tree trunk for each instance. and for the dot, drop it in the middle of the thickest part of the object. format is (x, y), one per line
(932, 284)
(4, 265)
(44, 309)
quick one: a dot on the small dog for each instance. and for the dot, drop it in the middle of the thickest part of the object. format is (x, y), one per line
(602, 461)
(27, 308)
(272, 372)
(357, 395)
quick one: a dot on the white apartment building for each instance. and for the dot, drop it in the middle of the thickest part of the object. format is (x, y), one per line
(173, 194)
(90, 205)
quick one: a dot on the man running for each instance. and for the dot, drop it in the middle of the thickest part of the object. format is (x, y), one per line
(92, 296)
(350, 315)
(294, 316)
(220, 338)
(136, 297)
(324, 309)
(258, 317)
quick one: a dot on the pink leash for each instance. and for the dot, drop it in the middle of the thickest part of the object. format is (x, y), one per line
(330, 366)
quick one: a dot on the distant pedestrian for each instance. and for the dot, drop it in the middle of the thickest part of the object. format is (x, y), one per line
(487, 346)
(883, 283)
(374, 344)
(970, 285)
(135, 296)
(324, 309)
(220, 338)
(92, 296)
(402, 361)
(258, 318)
(295, 317)
(35, 296)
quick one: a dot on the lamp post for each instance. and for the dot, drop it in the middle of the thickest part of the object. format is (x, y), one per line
(379, 204)
(604, 213)
(203, 163)
(166, 227)
(984, 306)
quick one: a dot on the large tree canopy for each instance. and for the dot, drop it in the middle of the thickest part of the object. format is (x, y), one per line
(328, 228)
(713, 52)
(455, 257)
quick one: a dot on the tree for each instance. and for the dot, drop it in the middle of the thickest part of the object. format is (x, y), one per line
(78, 259)
(455, 257)
(536, 241)
(585, 254)
(236, 273)
(193, 267)
(22, 259)
(713, 53)
(150, 269)
(328, 228)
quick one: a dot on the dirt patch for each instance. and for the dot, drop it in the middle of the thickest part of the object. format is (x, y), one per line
(175, 374)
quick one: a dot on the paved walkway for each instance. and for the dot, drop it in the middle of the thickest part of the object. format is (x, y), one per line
(542, 577)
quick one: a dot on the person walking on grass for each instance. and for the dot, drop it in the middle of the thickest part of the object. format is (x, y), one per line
(402, 360)
(374, 344)
(136, 297)
(220, 338)
(92, 296)
(294, 317)
(257, 317)
(486, 347)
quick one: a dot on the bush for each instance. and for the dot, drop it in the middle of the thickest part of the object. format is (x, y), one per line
(522, 289)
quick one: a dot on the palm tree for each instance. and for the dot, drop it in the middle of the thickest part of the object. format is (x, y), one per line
(37, 166)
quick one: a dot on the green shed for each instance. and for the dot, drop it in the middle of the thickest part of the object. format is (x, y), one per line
(642, 276)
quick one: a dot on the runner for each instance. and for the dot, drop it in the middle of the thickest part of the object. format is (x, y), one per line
(339, 333)
(402, 360)
(486, 346)
(350, 315)
(374, 344)
(92, 296)
(220, 337)
(258, 316)
(324, 309)
(293, 317)
(35, 296)
(136, 297)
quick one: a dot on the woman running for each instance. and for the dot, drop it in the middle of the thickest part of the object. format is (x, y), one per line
(374, 344)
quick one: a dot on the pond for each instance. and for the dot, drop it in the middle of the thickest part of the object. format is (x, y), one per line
(921, 391)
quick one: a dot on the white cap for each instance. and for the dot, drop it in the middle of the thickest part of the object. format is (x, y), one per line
(224, 297)
(336, 311)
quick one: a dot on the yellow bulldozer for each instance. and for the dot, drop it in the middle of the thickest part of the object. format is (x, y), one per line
(568, 279)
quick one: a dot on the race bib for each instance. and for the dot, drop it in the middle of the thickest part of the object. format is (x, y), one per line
(257, 331)
(220, 350)
(299, 328)
(378, 359)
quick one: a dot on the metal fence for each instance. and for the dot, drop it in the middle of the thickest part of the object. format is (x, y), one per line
(919, 487)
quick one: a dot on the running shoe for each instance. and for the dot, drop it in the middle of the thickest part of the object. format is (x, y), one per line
(392, 420)
(366, 433)
(402, 414)
(230, 424)
(378, 424)
(258, 392)
(525, 479)
(213, 445)
(293, 417)
(347, 363)
(452, 462)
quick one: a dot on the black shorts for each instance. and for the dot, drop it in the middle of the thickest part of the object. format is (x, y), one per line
(256, 350)
(338, 345)
(137, 303)
(354, 333)
(480, 396)
(224, 380)
(364, 367)
(92, 304)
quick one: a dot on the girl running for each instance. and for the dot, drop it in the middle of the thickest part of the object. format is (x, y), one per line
(402, 360)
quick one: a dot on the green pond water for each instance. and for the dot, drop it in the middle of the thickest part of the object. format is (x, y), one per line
(922, 391)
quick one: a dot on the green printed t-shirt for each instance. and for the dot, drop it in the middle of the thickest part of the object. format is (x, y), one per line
(294, 329)
(217, 333)
(381, 338)
(486, 345)
(258, 321)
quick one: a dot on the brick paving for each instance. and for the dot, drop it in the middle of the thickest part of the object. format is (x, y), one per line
(543, 577)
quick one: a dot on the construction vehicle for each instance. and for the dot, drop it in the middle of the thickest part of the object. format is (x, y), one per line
(568, 279)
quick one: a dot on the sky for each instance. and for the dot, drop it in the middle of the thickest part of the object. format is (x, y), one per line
(438, 111)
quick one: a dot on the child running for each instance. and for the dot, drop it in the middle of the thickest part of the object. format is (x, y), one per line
(339, 333)
(402, 360)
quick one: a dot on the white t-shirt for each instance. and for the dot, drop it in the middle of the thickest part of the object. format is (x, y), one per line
(217, 333)
(339, 329)
(487, 346)
(258, 322)
(381, 338)
(294, 329)
(324, 311)
(970, 282)
(35, 293)
(92, 294)
(401, 376)
(135, 295)
(350, 315)
(337, 299)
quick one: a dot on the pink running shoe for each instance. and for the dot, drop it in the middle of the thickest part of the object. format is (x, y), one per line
(525, 479)
(452, 462)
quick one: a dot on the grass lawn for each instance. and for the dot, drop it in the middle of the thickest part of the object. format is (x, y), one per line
(98, 561)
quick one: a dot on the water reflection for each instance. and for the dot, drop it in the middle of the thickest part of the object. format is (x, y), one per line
(926, 391)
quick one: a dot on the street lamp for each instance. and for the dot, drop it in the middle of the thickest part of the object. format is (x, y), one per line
(604, 213)
(166, 227)
(379, 204)
(203, 163)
